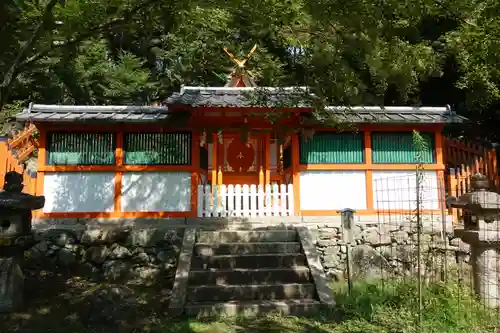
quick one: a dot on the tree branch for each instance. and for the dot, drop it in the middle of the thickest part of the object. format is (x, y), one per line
(88, 34)
(19, 63)
(13, 70)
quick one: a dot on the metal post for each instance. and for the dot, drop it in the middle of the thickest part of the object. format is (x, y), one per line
(419, 176)
(346, 216)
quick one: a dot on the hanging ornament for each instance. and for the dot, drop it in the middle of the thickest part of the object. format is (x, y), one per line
(219, 137)
(203, 139)
(280, 166)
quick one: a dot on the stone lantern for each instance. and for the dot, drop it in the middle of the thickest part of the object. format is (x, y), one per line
(482, 231)
(15, 238)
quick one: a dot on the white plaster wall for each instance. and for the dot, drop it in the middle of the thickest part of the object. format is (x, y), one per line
(82, 192)
(332, 190)
(156, 192)
(397, 190)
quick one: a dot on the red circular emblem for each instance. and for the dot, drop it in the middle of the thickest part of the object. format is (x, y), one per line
(240, 155)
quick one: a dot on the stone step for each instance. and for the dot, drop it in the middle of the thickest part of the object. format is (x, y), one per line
(214, 293)
(211, 237)
(249, 261)
(204, 249)
(253, 308)
(250, 276)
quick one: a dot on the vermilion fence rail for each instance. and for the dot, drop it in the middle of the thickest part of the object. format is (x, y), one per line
(463, 159)
(13, 153)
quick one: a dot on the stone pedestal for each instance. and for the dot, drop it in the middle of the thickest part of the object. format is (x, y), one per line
(11, 284)
(482, 232)
(486, 275)
(485, 260)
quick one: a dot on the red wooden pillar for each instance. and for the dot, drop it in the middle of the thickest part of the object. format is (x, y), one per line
(296, 173)
(267, 163)
(195, 172)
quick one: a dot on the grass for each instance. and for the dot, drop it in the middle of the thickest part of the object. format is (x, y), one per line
(370, 308)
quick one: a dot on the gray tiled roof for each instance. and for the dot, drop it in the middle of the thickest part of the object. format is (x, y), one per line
(237, 97)
(75, 113)
(396, 115)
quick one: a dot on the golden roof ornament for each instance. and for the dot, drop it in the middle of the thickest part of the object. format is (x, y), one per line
(240, 76)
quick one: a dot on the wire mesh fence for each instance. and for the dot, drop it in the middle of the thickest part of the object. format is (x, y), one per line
(447, 274)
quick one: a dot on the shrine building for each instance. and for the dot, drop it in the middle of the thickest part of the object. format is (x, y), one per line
(235, 151)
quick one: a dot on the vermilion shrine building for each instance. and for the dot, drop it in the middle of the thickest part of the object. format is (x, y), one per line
(210, 151)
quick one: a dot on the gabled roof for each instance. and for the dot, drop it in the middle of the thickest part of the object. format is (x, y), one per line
(238, 97)
(293, 96)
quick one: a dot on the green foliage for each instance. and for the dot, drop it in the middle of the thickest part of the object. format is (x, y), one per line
(421, 146)
(393, 307)
(370, 307)
(106, 80)
(349, 52)
(9, 111)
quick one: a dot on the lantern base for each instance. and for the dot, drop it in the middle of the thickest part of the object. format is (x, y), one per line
(11, 284)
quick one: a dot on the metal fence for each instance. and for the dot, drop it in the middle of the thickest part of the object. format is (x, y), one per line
(414, 257)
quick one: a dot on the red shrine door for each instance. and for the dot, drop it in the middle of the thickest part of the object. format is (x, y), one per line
(239, 161)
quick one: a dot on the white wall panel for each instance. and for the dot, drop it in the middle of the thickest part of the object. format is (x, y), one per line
(83, 192)
(156, 192)
(332, 190)
(397, 190)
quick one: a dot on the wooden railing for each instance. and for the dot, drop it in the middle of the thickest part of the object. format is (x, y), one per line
(24, 143)
(14, 152)
(463, 159)
(245, 200)
(8, 162)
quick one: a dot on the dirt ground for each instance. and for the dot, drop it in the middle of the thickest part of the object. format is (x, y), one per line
(63, 301)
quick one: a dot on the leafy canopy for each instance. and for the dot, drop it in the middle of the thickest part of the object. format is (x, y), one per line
(367, 52)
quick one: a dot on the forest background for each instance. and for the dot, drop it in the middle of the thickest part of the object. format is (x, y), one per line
(349, 52)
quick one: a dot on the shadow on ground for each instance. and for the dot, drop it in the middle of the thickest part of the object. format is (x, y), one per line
(64, 301)
(59, 300)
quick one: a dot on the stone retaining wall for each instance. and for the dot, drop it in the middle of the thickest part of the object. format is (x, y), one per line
(381, 250)
(134, 255)
(151, 246)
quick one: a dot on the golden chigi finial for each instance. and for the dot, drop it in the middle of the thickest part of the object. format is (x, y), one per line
(238, 75)
(240, 63)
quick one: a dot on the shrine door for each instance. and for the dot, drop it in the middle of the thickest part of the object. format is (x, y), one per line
(240, 162)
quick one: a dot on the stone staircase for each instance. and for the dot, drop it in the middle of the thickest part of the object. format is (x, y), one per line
(249, 272)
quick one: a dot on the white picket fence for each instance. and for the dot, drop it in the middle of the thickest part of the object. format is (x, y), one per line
(245, 200)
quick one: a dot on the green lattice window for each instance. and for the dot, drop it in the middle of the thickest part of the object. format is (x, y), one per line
(157, 148)
(65, 148)
(332, 148)
(399, 148)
